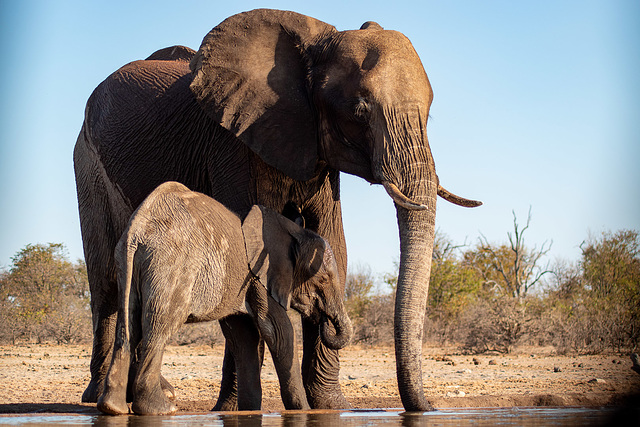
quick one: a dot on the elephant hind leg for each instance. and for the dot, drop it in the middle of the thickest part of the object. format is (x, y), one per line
(149, 398)
(114, 399)
(103, 217)
(118, 380)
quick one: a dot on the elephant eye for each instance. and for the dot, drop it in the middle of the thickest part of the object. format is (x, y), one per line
(362, 108)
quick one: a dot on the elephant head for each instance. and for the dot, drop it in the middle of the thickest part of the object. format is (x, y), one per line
(304, 96)
(298, 269)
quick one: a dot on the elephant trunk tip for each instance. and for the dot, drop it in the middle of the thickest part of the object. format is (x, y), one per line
(336, 334)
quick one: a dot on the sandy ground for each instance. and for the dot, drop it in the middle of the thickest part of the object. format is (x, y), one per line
(49, 378)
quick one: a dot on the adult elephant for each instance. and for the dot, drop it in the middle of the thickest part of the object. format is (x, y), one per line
(268, 111)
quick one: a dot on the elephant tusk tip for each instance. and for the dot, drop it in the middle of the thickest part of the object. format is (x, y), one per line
(416, 207)
(402, 200)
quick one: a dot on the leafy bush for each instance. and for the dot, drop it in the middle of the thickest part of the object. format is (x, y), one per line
(44, 297)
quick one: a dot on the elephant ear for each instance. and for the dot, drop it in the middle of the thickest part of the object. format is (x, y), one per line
(268, 243)
(308, 253)
(250, 76)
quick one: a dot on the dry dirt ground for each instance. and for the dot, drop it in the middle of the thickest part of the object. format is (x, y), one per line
(50, 378)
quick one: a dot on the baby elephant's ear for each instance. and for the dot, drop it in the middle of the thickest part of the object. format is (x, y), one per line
(268, 243)
(257, 257)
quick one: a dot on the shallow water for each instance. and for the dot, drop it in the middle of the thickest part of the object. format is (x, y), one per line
(443, 417)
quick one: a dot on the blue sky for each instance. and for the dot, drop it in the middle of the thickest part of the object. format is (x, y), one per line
(536, 104)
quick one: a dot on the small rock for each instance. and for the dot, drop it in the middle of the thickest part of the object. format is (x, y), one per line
(187, 377)
(351, 377)
(597, 381)
(476, 361)
(456, 393)
(65, 367)
(464, 371)
(557, 369)
(492, 362)
(451, 363)
(614, 361)
(580, 365)
(365, 386)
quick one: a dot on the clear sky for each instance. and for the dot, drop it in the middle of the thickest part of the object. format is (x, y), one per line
(536, 104)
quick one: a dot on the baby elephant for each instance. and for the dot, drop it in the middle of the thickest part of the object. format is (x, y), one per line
(186, 258)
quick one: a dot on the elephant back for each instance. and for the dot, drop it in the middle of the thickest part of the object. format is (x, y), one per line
(173, 53)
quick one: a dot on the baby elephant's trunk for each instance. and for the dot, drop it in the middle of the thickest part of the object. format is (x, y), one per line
(336, 331)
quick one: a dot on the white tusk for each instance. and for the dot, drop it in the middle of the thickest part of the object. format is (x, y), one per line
(402, 200)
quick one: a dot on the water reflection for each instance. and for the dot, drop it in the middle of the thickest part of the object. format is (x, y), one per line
(451, 417)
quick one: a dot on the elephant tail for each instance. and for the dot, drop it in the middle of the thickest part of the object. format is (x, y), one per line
(125, 250)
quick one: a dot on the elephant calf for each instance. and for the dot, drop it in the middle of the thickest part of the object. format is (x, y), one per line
(184, 257)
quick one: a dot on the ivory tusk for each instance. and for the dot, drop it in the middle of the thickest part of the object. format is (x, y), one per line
(457, 200)
(400, 199)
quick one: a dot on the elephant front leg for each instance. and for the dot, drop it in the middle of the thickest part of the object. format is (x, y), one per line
(228, 396)
(321, 365)
(244, 353)
(278, 333)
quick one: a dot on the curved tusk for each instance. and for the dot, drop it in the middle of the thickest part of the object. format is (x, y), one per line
(402, 200)
(457, 200)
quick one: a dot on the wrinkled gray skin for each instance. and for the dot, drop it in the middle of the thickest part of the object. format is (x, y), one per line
(269, 110)
(183, 259)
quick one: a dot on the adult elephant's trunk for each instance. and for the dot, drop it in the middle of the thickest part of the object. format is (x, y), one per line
(403, 164)
(417, 228)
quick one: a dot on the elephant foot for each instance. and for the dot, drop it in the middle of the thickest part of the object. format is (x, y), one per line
(328, 399)
(230, 403)
(167, 388)
(153, 404)
(92, 392)
(110, 403)
(297, 403)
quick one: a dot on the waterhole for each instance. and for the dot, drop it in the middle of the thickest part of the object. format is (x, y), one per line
(444, 417)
